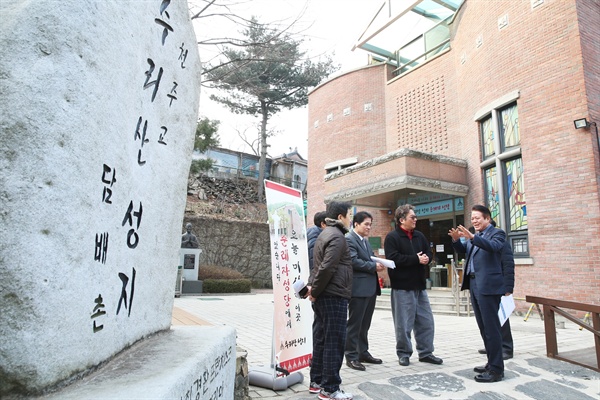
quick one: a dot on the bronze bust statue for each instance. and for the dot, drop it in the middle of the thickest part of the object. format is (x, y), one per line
(188, 239)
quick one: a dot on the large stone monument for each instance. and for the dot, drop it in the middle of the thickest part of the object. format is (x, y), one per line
(98, 112)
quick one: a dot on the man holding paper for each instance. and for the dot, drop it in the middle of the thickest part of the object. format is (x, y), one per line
(365, 289)
(508, 270)
(484, 278)
(410, 251)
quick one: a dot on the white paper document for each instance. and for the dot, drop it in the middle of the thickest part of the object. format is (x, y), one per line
(386, 263)
(507, 305)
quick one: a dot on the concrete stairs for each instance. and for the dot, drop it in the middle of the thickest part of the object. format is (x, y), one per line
(441, 299)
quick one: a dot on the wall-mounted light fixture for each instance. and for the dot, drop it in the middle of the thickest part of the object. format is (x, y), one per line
(581, 123)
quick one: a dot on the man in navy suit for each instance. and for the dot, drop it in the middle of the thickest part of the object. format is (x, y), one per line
(484, 278)
(508, 269)
(365, 289)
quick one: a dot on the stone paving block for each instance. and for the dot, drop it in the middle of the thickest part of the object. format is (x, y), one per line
(563, 369)
(431, 384)
(378, 391)
(545, 389)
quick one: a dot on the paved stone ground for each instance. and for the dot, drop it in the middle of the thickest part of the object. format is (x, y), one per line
(529, 375)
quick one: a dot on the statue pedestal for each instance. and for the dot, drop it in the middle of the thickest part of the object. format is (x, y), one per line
(189, 259)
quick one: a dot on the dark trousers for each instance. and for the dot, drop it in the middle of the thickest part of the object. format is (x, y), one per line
(486, 308)
(360, 314)
(329, 337)
(507, 339)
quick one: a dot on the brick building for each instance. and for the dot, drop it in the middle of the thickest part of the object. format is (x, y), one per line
(478, 106)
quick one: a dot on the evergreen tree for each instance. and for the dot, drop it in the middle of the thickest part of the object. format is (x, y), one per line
(267, 74)
(206, 136)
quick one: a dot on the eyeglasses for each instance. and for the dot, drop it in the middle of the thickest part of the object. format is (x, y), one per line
(413, 217)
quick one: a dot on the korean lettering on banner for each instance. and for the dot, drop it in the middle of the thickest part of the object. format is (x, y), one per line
(150, 80)
(288, 272)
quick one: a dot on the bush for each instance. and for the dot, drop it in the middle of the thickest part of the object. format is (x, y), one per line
(226, 285)
(215, 272)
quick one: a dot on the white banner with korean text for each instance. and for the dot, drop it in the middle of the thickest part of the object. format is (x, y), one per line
(292, 333)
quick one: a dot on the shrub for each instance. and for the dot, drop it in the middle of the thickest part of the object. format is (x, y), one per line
(226, 285)
(215, 272)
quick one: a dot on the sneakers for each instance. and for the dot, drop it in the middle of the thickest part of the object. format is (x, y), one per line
(338, 394)
(314, 388)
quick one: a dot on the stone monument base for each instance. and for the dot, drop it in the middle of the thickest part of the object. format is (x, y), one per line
(191, 287)
(186, 362)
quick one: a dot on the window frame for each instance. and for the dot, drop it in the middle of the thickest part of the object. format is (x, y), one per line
(498, 160)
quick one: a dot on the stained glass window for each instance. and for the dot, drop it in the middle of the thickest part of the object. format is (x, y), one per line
(517, 207)
(492, 195)
(487, 137)
(503, 175)
(509, 126)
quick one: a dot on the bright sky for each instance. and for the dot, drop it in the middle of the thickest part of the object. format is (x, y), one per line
(329, 26)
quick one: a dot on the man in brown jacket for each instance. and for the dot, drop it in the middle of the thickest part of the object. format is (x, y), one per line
(330, 285)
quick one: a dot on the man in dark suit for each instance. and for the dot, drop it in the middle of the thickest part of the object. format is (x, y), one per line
(365, 289)
(508, 270)
(484, 278)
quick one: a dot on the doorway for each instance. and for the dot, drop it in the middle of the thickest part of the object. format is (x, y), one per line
(436, 230)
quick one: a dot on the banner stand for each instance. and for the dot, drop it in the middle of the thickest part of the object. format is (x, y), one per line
(291, 346)
(264, 376)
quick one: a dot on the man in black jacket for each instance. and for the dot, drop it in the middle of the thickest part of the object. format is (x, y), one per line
(411, 311)
(313, 233)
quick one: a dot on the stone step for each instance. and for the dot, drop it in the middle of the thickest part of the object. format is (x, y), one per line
(441, 299)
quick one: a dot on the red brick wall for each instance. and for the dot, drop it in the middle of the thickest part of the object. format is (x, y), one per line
(588, 12)
(542, 59)
(421, 110)
(360, 134)
(550, 55)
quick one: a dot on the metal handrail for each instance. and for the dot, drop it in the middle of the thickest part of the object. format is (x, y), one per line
(456, 292)
(425, 54)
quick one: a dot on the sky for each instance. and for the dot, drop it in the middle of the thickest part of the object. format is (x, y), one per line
(328, 27)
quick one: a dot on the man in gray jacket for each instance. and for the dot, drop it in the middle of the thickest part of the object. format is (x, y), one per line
(365, 289)
(330, 288)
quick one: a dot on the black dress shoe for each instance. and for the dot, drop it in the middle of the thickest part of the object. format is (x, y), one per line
(482, 351)
(404, 361)
(431, 359)
(507, 356)
(355, 364)
(481, 369)
(489, 376)
(369, 359)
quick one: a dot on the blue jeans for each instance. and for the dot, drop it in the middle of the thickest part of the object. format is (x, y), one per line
(329, 338)
(412, 312)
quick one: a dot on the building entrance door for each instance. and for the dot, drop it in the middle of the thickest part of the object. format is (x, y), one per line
(436, 230)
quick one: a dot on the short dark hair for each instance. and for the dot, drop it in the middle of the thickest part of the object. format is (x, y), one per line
(483, 210)
(402, 212)
(360, 216)
(336, 208)
(319, 218)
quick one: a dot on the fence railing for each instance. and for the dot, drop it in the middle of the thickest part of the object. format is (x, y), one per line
(224, 171)
(552, 306)
(460, 297)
